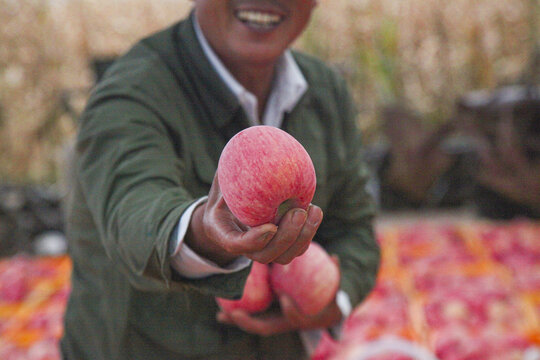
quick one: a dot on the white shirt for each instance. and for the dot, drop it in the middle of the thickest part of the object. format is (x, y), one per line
(289, 86)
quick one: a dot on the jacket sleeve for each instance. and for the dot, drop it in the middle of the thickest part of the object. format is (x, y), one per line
(132, 175)
(347, 228)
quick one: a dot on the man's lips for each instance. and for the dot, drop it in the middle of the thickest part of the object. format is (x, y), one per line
(259, 19)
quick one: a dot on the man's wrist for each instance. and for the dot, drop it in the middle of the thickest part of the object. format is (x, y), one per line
(197, 240)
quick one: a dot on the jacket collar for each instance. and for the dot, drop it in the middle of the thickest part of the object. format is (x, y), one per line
(289, 85)
(220, 103)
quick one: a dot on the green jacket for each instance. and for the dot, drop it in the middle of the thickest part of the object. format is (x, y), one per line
(148, 145)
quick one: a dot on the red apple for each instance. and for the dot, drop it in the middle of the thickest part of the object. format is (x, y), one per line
(257, 295)
(311, 280)
(263, 172)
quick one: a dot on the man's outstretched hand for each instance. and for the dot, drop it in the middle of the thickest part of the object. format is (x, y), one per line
(216, 234)
(288, 319)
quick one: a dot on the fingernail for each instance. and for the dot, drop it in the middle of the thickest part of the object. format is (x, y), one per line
(299, 217)
(318, 218)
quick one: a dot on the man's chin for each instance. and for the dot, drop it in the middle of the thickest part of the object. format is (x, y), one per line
(260, 54)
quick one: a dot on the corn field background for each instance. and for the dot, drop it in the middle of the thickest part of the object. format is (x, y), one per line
(421, 53)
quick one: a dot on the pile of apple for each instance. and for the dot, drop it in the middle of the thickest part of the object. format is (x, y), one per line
(33, 296)
(516, 247)
(263, 172)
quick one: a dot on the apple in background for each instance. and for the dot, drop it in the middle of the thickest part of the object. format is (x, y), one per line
(311, 280)
(263, 172)
(258, 295)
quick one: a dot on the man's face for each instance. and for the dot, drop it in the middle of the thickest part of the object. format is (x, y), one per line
(254, 32)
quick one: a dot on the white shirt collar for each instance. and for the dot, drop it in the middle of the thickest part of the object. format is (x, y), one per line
(289, 86)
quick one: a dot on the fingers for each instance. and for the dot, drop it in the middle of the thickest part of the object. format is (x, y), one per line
(294, 234)
(246, 242)
(313, 220)
(265, 243)
(287, 234)
(223, 228)
(288, 318)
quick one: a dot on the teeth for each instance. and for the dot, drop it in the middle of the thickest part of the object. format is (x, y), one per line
(258, 18)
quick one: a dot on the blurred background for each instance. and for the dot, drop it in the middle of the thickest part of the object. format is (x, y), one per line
(448, 94)
(420, 54)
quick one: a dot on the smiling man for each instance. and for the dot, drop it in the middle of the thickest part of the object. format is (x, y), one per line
(151, 238)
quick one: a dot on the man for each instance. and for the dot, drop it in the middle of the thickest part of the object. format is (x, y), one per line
(151, 238)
